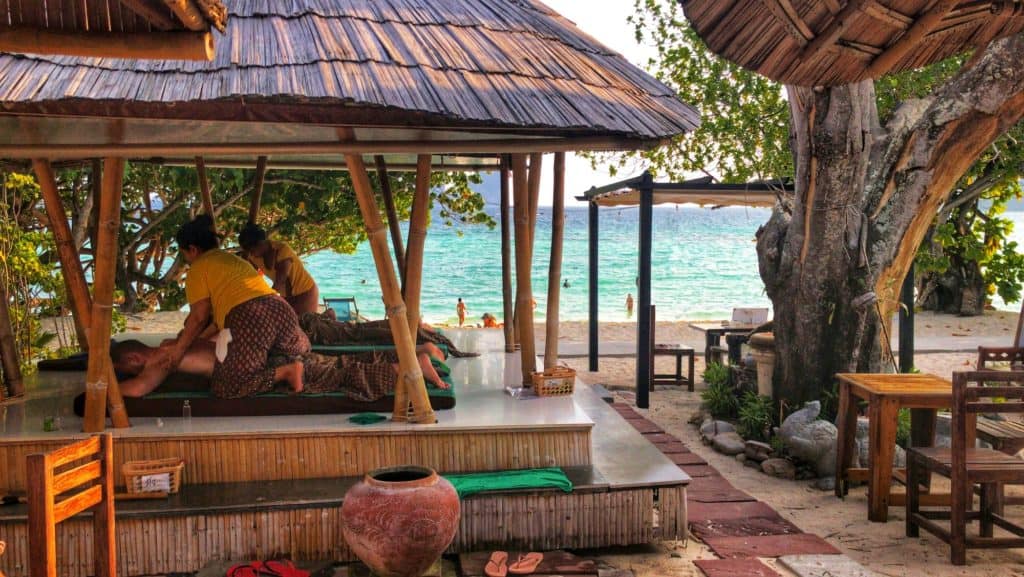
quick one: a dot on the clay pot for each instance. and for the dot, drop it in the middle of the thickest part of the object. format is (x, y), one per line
(399, 520)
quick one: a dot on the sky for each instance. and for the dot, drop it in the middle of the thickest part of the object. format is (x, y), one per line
(608, 25)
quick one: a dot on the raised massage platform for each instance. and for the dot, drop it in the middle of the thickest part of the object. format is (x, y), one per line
(260, 487)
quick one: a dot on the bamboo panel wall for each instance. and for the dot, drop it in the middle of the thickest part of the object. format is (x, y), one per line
(224, 459)
(542, 521)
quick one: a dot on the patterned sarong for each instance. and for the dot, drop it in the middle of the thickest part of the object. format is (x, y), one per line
(362, 376)
(323, 330)
(259, 328)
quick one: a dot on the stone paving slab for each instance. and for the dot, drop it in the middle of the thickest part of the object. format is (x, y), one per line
(735, 568)
(769, 545)
(722, 495)
(700, 470)
(686, 458)
(658, 438)
(708, 483)
(825, 566)
(748, 527)
(672, 448)
(645, 426)
(698, 512)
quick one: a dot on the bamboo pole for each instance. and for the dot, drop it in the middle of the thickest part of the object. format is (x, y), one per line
(100, 387)
(71, 266)
(393, 224)
(171, 45)
(413, 279)
(9, 352)
(188, 13)
(179, 149)
(524, 294)
(536, 167)
(398, 321)
(506, 260)
(555, 268)
(257, 191)
(204, 190)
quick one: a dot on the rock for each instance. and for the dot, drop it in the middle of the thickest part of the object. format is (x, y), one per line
(757, 450)
(741, 458)
(811, 439)
(710, 428)
(729, 443)
(781, 468)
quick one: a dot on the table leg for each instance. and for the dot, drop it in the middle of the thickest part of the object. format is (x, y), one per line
(710, 340)
(847, 440)
(882, 439)
(679, 369)
(922, 434)
(689, 382)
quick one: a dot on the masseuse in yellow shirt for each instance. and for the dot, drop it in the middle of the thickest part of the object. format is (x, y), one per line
(279, 262)
(254, 322)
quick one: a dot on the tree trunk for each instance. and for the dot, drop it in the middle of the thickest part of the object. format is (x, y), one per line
(865, 198)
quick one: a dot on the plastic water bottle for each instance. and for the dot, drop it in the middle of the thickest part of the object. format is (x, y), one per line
(186, 413)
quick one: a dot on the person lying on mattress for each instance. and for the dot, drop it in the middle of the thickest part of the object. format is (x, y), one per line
(278, 261)
(361, 376)
(254, 321)
(324, 329)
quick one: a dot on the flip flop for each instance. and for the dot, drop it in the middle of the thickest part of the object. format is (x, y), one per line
(496, 565)
(526, 564)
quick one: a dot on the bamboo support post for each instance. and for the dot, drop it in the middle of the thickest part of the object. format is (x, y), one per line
(409, 368)
(170, 45)
(9, 351)
(393, 224)
(555, 269)
(188, 13)
(524, 293)
(101, 386)
(257, 190)
(506, 260)
(536, 167)
(413, 279)
(71, 266)
(204, 190)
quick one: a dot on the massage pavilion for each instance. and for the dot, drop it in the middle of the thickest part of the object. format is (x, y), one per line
(484, 85)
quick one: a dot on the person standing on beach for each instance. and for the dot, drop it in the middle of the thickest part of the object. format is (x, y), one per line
(461, 310)
(629, 304)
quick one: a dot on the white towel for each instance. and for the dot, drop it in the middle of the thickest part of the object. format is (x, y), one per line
(223, 338)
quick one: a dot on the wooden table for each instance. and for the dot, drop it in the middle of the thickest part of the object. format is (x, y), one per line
(713, 334)
(678, 351)
(886, 394)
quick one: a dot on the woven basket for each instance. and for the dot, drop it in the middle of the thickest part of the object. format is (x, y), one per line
(154, 476)
(554, 382)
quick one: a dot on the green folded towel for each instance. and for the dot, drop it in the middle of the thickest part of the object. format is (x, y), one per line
(366, 418)
(469, 483)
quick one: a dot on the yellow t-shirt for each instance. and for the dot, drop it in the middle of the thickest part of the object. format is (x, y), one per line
(226, 280)
(299, 278)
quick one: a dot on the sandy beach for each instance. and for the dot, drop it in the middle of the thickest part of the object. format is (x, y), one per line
(880, 547)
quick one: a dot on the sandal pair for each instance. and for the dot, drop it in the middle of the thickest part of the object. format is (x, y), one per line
(526, 564)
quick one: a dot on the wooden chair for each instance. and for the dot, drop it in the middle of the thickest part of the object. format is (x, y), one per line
(1005, 436)
(93, 481)
(968, 467)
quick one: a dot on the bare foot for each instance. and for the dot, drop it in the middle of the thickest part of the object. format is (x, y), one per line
(429, 373)
(292, 373)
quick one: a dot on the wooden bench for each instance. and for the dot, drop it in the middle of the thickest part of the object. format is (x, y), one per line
(679, 352)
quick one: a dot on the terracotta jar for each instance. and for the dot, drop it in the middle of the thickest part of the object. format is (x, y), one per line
(399, 520)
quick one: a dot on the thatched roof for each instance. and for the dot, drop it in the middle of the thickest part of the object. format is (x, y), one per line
(396, 70)
(829, 42)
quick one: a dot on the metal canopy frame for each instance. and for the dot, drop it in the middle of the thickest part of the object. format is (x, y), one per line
(644, 192)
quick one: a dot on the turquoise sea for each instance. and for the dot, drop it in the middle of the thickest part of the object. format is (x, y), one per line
(704, 264)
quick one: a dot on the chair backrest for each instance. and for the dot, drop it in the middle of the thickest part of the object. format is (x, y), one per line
(85, 467)
(345, 308)
(750, 316)
(1012, 355)
(977, 392)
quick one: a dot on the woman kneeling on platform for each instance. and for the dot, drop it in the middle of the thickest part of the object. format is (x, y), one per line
(279, 262)
(253, 321)
(361, 376)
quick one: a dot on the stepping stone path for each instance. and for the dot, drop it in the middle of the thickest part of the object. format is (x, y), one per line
(738, 527)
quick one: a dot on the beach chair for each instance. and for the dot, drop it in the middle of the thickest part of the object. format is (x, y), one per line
(755, 316)
(345, 308)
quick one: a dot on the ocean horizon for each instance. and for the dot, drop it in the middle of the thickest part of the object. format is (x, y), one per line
(704, 264)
